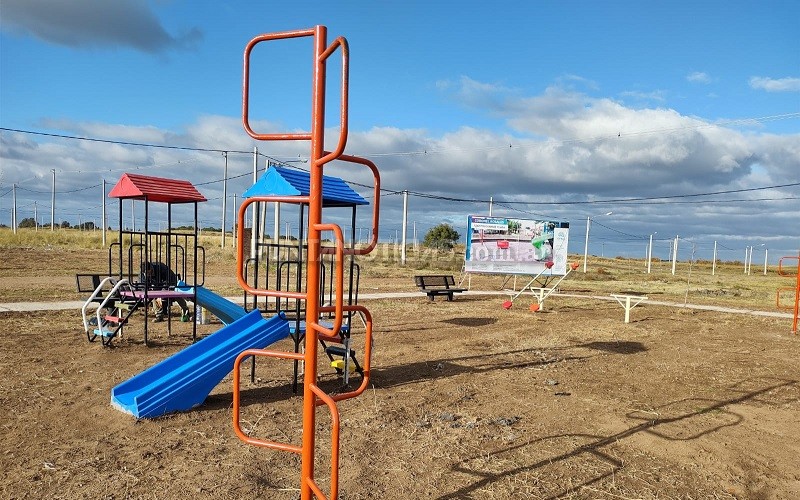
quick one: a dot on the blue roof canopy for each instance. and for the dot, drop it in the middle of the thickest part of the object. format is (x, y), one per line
(280, 181)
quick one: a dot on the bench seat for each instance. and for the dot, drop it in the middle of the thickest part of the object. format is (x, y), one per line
(438, 284)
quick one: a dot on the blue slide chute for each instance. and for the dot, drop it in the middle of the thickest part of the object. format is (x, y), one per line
(219, 306)
(184, 380)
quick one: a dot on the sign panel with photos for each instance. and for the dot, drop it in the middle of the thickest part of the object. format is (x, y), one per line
(504, 245)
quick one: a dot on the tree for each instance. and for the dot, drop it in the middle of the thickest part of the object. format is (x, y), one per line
(65, 224)
(27, 222)
(442, 237)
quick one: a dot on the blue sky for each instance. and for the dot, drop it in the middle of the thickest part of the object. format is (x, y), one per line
(539, 102)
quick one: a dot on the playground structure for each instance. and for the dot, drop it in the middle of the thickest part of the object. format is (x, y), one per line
(126, 288)
(185, 379)
(307, 299)
(543, 291)
(279, 263)
(795, 308)
(310, 298)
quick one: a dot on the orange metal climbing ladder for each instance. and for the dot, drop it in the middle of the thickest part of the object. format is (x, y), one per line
(313, 395)
(795, 308)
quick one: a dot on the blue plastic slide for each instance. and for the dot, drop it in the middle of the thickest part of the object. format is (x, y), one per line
(185, 379)
(222, 308)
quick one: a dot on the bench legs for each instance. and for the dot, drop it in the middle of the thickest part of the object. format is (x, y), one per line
(448, 295)
(629, 302)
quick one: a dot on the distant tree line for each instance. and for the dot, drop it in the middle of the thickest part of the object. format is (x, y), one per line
(30, 222)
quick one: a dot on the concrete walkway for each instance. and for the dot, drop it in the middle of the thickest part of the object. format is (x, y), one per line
(18, 307)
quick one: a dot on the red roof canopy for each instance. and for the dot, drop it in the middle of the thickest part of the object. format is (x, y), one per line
(155, 189)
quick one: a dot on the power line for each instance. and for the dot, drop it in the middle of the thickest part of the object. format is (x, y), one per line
(122, 143)
(138, 144)
(618, 231)
(510, 145)
(669, 199)
(58, 192)
(615, 200)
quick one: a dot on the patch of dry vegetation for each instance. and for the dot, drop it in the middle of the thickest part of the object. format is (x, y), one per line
(48, 261)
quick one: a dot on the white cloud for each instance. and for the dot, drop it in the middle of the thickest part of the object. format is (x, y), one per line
(787, 84)
(568, 147)
(574, 81)
(117, 132)
(698, 77)
(476, 94)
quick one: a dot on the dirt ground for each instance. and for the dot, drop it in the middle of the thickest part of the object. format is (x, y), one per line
(468, 400)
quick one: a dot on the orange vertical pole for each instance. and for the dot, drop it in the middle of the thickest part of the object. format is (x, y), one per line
(796, 298)
(313, 396)
(312, 274)
(796, 306)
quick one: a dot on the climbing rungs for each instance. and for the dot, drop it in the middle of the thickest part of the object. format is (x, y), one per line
(335, 350)
(124, 306)
(114, 319)
(327, 338)
(103, 332)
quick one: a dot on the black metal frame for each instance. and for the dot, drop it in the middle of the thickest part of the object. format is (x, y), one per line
(280, 258)
(157, 246)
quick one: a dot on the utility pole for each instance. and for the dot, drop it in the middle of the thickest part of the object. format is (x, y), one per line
(255, 206)
(491, 202)
(235, 218)
(36, 218)
(586, 243)
(53, 202)
(103, 216)
(224, 195)
(746, 250)
(675, 255)
(714, 260)
(276, 230)
(14, 209)
(405, 228)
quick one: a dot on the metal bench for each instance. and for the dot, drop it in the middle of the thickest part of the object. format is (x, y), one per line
(438, 284)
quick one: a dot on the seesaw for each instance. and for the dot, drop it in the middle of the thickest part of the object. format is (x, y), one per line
(541, 293)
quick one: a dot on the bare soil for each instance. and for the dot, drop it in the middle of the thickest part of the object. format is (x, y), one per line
(468, 400)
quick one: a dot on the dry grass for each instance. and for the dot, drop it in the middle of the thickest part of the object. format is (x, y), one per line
(51, 259)
(468, 400)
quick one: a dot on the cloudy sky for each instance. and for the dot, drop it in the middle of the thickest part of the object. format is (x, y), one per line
(680, 118)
